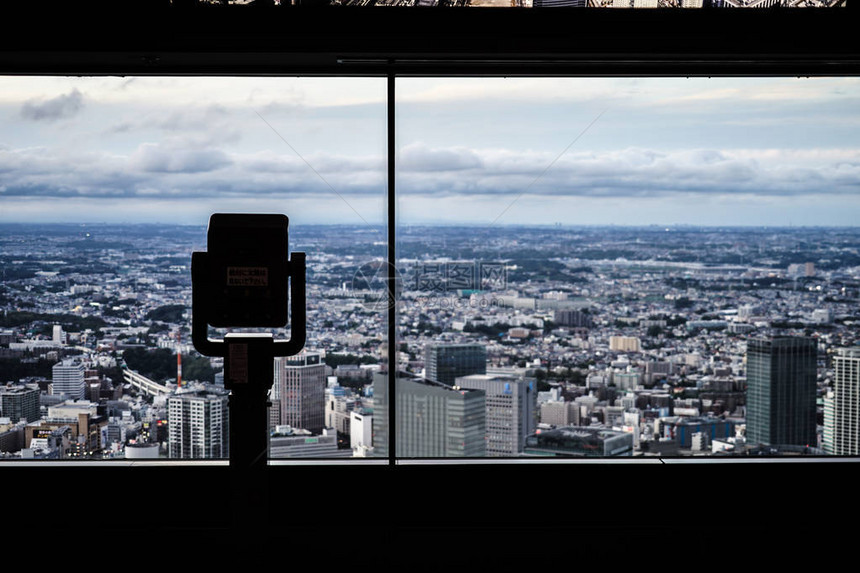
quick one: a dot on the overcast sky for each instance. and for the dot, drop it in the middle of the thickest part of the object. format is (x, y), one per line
(768, 151)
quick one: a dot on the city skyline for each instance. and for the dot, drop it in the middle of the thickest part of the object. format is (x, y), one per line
(640, 332)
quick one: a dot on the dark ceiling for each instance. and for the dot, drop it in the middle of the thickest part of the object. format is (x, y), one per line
(155, 37)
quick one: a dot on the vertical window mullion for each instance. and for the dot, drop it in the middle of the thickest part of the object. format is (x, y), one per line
(392, 261)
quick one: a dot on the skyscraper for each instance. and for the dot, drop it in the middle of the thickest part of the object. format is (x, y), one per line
(846, 403)
(299, 389)
(198, 425)
(511, 408)
(781, 375)
(68, 379)
(445, 362)
(433, 420)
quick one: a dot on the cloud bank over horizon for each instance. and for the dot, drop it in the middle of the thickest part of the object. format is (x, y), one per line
(151, 148)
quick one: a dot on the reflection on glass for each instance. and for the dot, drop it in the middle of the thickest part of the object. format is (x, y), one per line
(107, 186)
(612, 264)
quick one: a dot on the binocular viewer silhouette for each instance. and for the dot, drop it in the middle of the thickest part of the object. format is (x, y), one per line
(247, 279)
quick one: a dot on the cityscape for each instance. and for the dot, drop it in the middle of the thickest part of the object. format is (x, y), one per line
(626, 306)
(586, 267)
(513, 342)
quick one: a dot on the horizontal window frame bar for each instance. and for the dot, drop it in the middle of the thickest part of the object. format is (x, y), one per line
(437, 462)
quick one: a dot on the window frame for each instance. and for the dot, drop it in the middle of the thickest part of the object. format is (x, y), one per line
(421, 506)
(352, 42)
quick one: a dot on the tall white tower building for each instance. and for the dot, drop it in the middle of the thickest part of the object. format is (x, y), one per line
(360, 430)
(829, 414)
(198, 425)
(68, 379)
(846, 402)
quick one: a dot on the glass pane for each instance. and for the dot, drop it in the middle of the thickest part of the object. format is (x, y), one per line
(628, 267)
(107, 187)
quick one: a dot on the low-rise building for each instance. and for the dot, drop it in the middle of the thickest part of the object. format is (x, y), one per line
(579, 441)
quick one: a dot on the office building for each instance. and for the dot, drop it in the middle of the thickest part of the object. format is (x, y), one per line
(580, 442)
(846, 403)
(198, 425)
(299, 388)
(69, 379)
(337, 411)
(781, 391)
(19, 403)
(682, 429)
(360, 430)
(432, 419)
(446, 362)
(511, 405)
(559, 413)
(285, 442)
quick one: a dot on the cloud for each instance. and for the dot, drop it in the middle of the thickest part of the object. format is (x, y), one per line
(420, 157)
(60, 107)
(633, 172)
(173, 171)
(173, 159)
(170, 170)
(178, 120)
